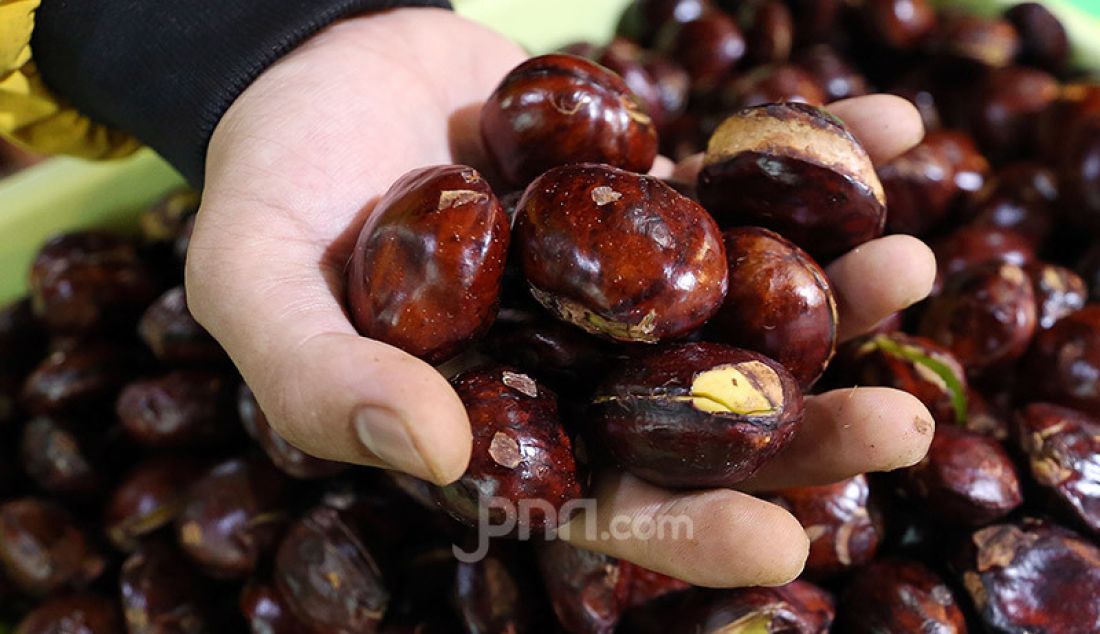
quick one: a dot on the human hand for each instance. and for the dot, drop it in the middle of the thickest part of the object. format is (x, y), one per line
(293, 170)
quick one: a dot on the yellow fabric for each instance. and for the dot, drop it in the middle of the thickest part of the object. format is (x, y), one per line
(29, 114)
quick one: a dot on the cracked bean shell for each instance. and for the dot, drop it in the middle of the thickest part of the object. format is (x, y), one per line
(697, 414)
(843, 526)
(796, 169)
(1063, 452)
(1033, 577)
(520, 452)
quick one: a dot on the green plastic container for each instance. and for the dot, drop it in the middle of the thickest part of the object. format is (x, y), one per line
(64, 194)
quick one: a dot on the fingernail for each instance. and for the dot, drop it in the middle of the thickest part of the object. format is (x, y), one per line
(383, 433)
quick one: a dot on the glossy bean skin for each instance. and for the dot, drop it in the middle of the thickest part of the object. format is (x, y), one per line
(63, 458)
(843, 525)
(266, 611)
(1063, 453)
(425, 274)
(985, 315)
(779, 303)
(1058, 291)
(232, 517)
(78, 379)
(708, 47)
(73, 614)
(162, 594)
(177, 410)
(1021, 198)
(966, 479)
(916, 365)
(583, 111)
(172, 334)
(899, 595)
(770, 165)
(899, 24)
(42, 550)
(772, 84)
(327, 576)
(521, 452)
(835, 74)
(798, 607)
(974, 41)
(89, 281)
(728, 409)
(921, 189)
(1043, 40)
(587, 590)
(1033, 576)
(620, 255)
(288, 458)
(971, 246)
(1065, 359)
(971, 168)
(148, 498)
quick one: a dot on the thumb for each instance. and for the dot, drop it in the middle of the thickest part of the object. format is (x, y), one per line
(273, 305)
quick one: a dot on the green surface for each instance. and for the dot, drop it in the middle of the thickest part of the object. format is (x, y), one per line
(64, 194)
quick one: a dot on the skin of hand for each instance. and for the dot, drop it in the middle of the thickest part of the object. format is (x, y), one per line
(293, 170)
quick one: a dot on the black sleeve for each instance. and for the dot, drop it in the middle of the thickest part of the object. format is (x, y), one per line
(167, 70)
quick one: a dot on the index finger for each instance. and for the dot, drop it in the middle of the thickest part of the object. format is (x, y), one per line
(885, 125)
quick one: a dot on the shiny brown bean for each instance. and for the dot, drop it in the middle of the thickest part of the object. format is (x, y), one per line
(179, 409)
(521, 453)
(729, 409)
(966, 479)
(1033, 577)
(327, 576)
(1063, 452)
(620, 255)
(232, 517)
(425, 275)
(172, 333)
(775, 166)
(89, 281)
(843, 524)
(779, 303)
(584, 113)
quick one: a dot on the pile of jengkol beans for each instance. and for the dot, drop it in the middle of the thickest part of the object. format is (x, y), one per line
(668, 329)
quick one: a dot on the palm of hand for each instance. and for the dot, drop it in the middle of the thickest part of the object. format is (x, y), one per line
(292, 171)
